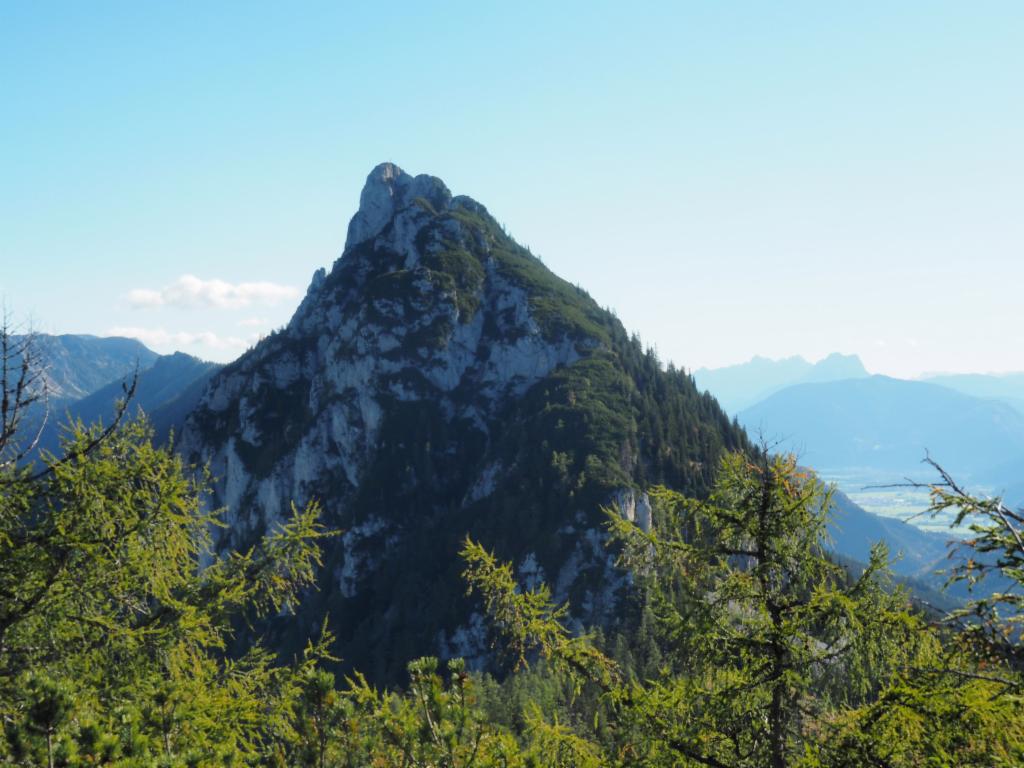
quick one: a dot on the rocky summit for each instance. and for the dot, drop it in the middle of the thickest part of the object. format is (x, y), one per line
(439, 380)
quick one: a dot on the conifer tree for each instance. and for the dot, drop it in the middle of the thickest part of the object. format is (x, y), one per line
(115, 614)
(765, 630)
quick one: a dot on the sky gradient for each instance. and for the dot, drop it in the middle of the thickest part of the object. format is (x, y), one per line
(732, 179)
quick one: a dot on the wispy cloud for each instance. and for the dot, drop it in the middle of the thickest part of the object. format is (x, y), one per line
(189, 291)
(161, 338)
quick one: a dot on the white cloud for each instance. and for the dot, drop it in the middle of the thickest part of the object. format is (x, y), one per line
(190, 291)
(161, 338)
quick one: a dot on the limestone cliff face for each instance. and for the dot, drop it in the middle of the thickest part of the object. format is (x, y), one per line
(438, 380)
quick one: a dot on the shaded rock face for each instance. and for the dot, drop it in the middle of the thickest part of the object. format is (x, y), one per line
(437, 381)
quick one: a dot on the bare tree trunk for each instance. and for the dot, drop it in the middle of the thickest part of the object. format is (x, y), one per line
(777, 722)
(22, 386)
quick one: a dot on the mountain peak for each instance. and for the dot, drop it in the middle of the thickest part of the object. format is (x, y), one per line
(837, 366)
(425, 384)
(388, 190)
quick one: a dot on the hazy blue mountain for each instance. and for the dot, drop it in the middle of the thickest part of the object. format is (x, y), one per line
(78, 365)
(1008, 387)
(75, 367)
(739, 386)
(168, 415)
(835, 367)
(166, 392)
(889, 424)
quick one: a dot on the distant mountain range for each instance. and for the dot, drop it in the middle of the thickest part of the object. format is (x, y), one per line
(78, 365)
(1007, 387)
(837, 417)
(166, 392)
(87, 375)
(889, 425)
(739, 386)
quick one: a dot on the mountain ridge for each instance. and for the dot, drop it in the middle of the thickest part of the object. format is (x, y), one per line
(740, 386)
(890, 425)
(79, 364)
(1007, 387)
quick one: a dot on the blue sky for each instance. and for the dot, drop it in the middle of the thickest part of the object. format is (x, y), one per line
(732, 178)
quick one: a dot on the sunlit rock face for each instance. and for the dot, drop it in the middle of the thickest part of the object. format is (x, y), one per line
(438, 380)
(635, 507)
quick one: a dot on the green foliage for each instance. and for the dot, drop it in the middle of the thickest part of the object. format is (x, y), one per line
(942, 717)
(992, 556)
(436, 723)
(743, 644)
(465, 275)
(528, 620)
(554, 745)
(774, 655)
(767, 629)
(112, 637)
(752, 647)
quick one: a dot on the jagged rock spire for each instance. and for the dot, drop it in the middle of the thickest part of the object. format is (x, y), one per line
(387, 191)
